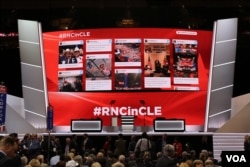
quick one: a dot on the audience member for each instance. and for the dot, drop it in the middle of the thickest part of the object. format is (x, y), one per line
(131, 160)
(17, 157)
(198, 163)
(142, 145)
(118, 164)
(71, 163)
(8, 148)
(168, 158)
(100, 157)
(122, 159)
(87, 144)
(67, 146)
(164, 157)
(40, 157)
(247, 143)
(153, 147)
(161, 142)
(56, 158)
(183, 164)
(189, 162)
(74, 145)
(25, 142)
(24, 160)
(79, 160)
(107, 145)
(120, 146)
(61, 163)
(209, 163)
(132, 144)
(34, 163)
(178, 147)
(89, 160)
(146, 160)
(34, 147)
(96, 164)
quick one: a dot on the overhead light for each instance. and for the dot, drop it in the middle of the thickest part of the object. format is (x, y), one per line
(128, 21)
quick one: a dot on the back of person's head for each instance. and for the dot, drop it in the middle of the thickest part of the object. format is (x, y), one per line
(24, 160)
(99, 155)
(184, 154)
(183, 164)
(146, 155)
(71, 163)
(14, 135)
(192, 153)
(90, 159)
(117, 164)
(197, 162)
(144, 135)
(122, 158)
(85, 135)
(67, 158)
(203, 156)
(71, 155)
(169, 150)
(61, 163)
(35, 163)
(40, 157)
(120, 135)
(78, 159)
(96, 164)
(158, 154)
(189, 162)
(209, 163)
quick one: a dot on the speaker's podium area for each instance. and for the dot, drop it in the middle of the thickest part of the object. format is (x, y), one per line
(127, 125)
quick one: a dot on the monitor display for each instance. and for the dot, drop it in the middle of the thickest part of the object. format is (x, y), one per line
(142, 72)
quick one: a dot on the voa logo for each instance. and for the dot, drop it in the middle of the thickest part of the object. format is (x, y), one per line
(236, 158)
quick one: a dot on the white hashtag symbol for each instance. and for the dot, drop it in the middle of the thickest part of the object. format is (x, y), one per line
(97, 111)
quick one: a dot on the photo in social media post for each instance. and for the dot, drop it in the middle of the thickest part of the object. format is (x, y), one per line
(127, 52)
(98, 68)
(70, 54)
(70, 81)
(128, 79)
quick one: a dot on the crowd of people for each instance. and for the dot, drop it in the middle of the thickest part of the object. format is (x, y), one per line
(37, 150)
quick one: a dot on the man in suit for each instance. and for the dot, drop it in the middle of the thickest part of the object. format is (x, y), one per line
(8, 149)
(168, 159)
(120, 146)
(87, 145)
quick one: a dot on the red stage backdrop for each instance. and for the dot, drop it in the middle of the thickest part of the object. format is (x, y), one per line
(146, 72)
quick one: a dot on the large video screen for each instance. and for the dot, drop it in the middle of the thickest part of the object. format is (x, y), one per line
(144, 72)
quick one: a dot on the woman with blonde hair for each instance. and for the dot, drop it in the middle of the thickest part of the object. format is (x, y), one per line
(184, 164)
(118, 164)
(34, 163)
(96, 164)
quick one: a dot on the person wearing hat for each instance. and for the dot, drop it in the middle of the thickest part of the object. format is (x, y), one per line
(67, 57)
(78, 54)
(70, 58)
